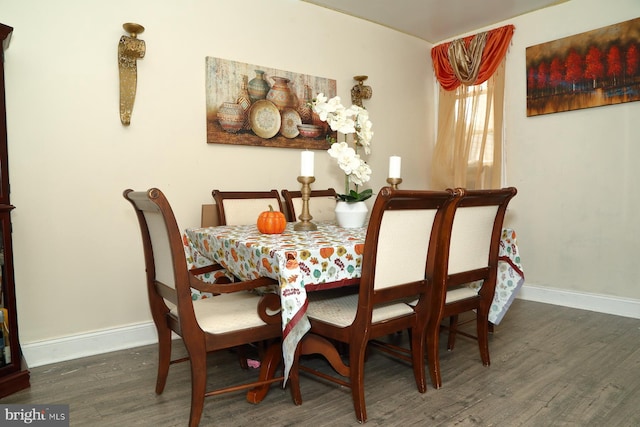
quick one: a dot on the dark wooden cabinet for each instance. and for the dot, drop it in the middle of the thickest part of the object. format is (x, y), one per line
(13, 373)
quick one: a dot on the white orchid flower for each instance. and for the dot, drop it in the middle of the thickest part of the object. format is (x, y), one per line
(352, 120)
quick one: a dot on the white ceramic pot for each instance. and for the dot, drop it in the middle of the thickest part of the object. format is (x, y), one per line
(351, 215)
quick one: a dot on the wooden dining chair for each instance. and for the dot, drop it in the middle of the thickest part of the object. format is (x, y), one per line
(468, 252)
(233, 318)
(322, 204)
(397, 264)
(244, 207)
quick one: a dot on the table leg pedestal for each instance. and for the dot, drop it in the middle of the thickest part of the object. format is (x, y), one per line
(314, 344)
(268, 365)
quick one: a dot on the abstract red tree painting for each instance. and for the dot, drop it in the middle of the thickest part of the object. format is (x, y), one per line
(599, 67)
(614, 63)
(632, 60)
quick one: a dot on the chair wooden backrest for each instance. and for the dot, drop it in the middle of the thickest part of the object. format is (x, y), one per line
(399, 253)
(475, 240)
(322, 204)
(244, 207)
(468, 252)
(165, 262)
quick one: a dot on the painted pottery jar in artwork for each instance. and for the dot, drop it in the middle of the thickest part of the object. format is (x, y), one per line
(316, 120)
(280, 93)
(258, 87)
(231, 117)
(244, 101)
(304, 109)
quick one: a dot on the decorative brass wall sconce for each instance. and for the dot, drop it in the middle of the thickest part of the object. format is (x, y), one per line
(360, 91)
(130, 49)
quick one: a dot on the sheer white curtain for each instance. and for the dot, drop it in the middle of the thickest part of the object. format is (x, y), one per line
(469, 149)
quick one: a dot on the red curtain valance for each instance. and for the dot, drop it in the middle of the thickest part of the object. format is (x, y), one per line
(495, 49)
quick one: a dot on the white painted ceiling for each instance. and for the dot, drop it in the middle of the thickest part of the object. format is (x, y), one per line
(435, 20)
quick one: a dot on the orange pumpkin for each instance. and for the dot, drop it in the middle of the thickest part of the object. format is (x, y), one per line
(271, 222)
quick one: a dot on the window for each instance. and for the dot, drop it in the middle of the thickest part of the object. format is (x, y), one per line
(479, 120)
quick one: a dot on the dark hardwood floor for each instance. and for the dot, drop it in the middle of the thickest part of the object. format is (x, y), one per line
(550, 366)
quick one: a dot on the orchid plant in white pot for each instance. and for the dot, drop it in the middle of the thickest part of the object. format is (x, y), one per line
(351, 211)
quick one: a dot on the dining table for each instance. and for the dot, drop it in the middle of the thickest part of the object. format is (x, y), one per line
(306, 261)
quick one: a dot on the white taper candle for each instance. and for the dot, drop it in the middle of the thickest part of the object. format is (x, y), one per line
(394, 166)
(306, 163)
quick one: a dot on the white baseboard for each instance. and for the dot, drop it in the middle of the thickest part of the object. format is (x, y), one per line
(83, 345)
(74, 347)
(625, 307)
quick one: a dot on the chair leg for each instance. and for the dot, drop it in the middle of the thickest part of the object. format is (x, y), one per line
(164, 357)
(198, 358)
(482, 323)
(432, 342)
(242, 356)
(453, 330)
(418, 352)
(357, 352)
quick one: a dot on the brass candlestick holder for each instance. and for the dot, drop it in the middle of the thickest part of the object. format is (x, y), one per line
(394, 182)
(305, 217)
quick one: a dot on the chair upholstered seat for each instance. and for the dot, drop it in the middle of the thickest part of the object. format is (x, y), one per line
(227, 312)
(455, 295)
(460, 294)
(341, 311)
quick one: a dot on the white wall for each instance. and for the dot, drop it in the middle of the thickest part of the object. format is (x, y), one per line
(78, 258)
(576, 213)
(77, 254)
(576, 209)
